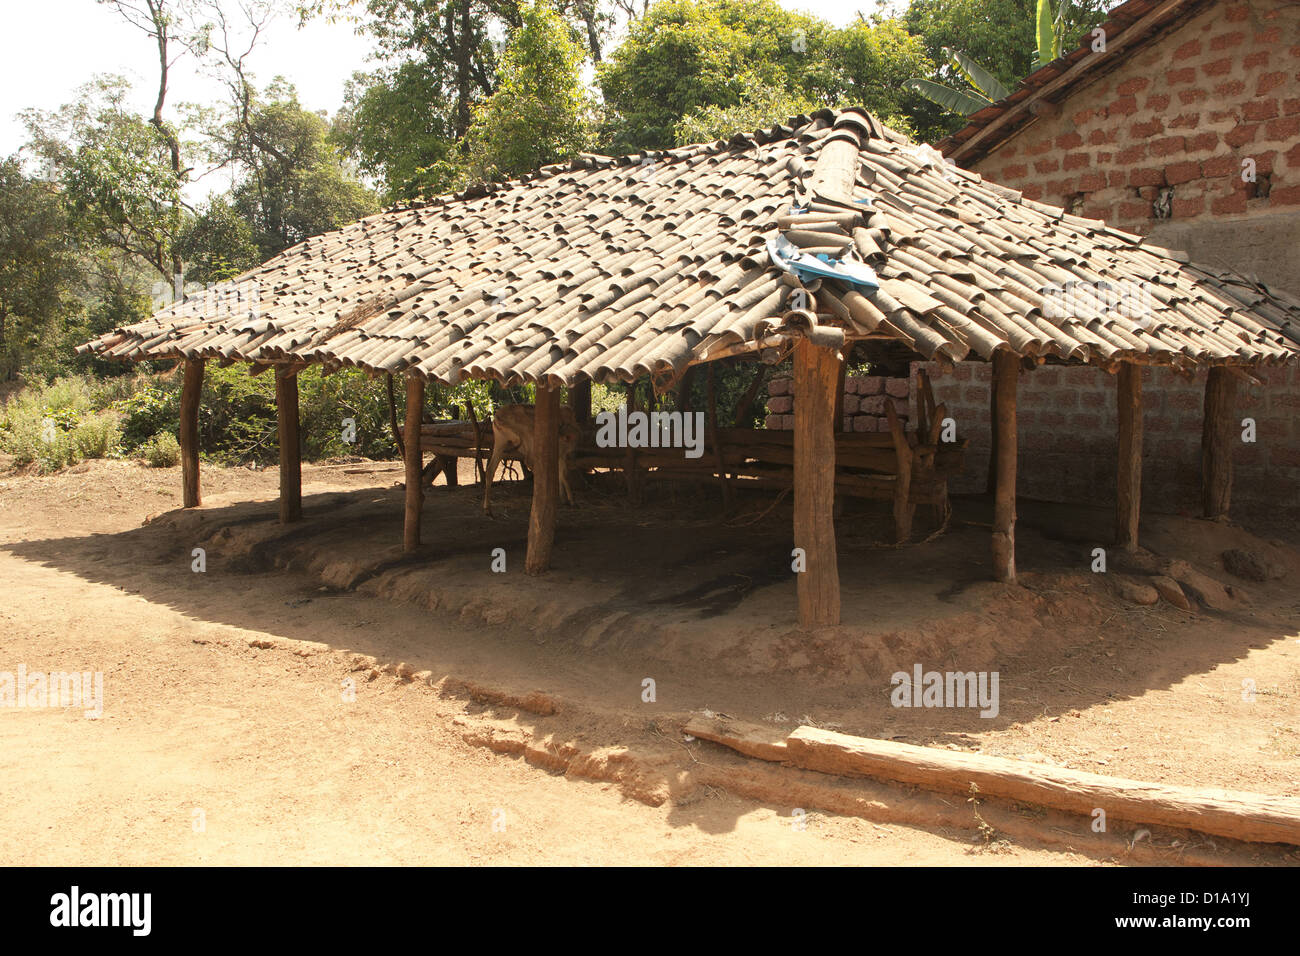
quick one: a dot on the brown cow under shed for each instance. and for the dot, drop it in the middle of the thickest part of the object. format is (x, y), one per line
(803, 241)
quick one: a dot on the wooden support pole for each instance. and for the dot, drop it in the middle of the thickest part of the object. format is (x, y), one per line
(816, 376)
(1217, 430)
(1006, 370)
(716, 441)
(580, 399)
(839, 395)
(286, 413)
(189, 432)
(414, 458)
(1128, 483)
(991, 486)
(546, 480)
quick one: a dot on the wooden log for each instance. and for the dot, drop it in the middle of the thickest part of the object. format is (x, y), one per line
(188, 438)
(816, 372)
(1253, 817)
(904, 507)
(414, 465)
(546, 480)
(1217, 430)
(1006, 371)
(1128, 482)
(580, 399)
(715, 441)
(630, 455)
(839, 395)
(991, 484)
(753, 740)
(747, 400)
(286, 414)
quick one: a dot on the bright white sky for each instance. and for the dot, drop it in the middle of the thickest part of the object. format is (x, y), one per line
(48, 48)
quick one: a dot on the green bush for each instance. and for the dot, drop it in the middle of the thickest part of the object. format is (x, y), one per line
(58, 425)
(162, 451)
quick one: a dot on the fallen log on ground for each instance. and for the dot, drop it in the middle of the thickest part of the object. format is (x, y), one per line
(1253, 817)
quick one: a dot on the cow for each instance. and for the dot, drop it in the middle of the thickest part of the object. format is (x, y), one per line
(512, 434)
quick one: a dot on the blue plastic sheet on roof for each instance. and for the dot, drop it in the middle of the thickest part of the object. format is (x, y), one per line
(788, 257)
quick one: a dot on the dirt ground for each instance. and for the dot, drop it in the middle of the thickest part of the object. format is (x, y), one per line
(500, 718)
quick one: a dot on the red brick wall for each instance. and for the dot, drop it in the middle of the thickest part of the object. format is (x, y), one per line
(864, 402)
(1180, 115)
(1066, 420)
(1174, 120)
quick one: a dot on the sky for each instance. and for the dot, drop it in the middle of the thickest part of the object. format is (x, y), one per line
(49, 48)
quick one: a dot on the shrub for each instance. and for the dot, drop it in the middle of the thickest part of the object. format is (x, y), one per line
(162, 451)
(58, 425)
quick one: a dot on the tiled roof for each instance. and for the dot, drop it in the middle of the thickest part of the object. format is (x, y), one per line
(617, 268)
(1128, 28)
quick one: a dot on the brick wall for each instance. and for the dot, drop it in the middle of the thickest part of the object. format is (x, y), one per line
(1156, 147)
(1067, 438)
(864, 402)
(1160, 140)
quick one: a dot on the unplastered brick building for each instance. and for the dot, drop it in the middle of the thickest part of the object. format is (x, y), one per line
(1178, 121)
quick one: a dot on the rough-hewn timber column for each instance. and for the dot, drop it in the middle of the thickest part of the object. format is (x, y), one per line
(816, 375)
(1216, 442)
(414, 463)
(1006, 369)
(546, 480)
(991, 486)
(286, 412)
(1128, 481)
(189, 432)
(580, 399)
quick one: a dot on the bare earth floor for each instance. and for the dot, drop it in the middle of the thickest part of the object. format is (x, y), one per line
(501, 718)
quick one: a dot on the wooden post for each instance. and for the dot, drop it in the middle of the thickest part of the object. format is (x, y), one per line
(716, 441)
(580, 399)
(816, 375)
(1006, 369)
(1217, 429)
(991, 485)
(1128, 483)
(189, 432)
(546, 480)
(286, 413)
(414, 458)
(839, 395)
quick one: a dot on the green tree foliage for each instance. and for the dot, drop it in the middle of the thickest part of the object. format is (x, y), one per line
(293, 183)
(114, 169)
(38, 271)
(1001, 36)
(691, 64)
(541, 112)
(217, 243)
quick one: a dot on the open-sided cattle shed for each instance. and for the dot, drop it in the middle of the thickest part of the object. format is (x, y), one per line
(806, 238)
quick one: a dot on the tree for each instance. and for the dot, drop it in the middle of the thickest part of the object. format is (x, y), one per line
(292, 183)
(1005, 39)
(115, 171)
(37, 264)
(684, 56)
(540, 112)
(688, 64)
(160, 21)
(218, 243)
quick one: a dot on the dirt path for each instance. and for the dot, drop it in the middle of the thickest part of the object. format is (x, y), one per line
(202, 725)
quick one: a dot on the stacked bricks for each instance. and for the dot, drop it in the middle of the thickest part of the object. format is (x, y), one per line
(1165, 134)
(865, 398)
(1068, 444)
